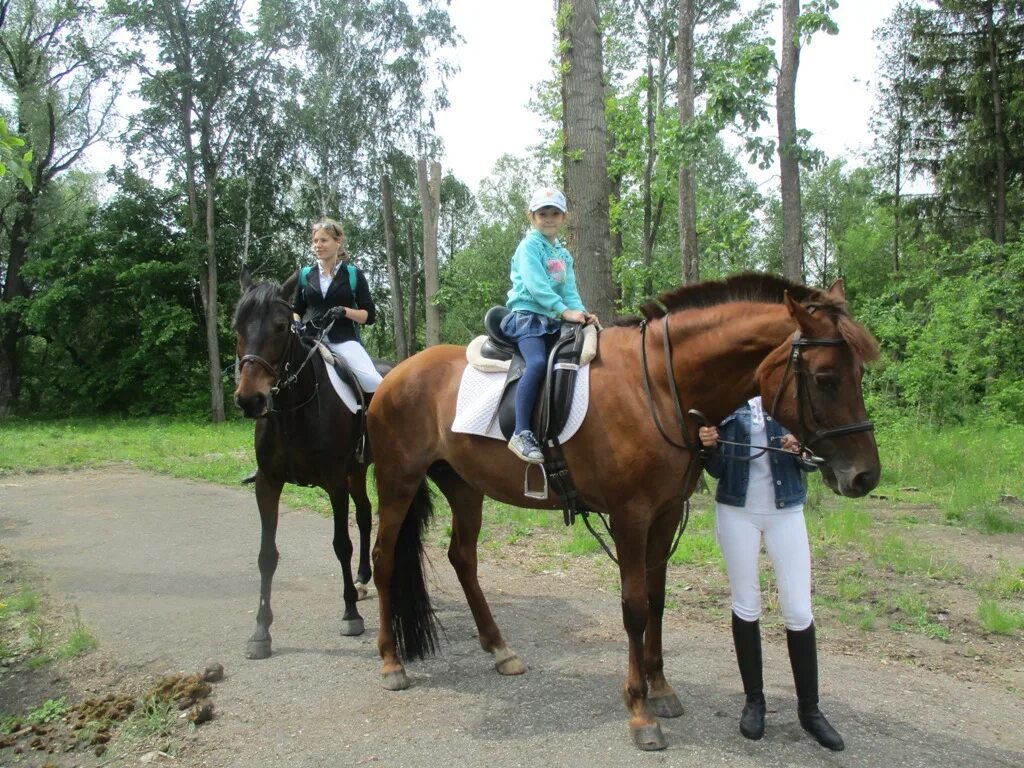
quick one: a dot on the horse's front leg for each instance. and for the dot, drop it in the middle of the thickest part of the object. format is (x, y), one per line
(661, 699)
(364, 520)
(631, 547)
(268, 498)
(351, 621)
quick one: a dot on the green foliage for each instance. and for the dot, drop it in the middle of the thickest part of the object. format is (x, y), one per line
(951, 339)
(999, 620)
(50, 711)
(113, 322)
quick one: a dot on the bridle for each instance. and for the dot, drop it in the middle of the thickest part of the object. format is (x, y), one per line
(794, 363)
(284, 377)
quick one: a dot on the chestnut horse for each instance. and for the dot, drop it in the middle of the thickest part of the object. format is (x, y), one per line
(304, 435)
(708, 347)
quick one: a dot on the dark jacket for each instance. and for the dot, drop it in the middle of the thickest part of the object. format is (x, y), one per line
(734, 474)
(339, 294)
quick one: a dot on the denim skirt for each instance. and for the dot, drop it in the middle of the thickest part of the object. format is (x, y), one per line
(521, 324)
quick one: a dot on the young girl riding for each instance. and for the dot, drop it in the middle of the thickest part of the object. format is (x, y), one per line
(543, 294)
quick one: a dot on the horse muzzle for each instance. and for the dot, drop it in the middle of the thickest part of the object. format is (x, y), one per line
(852, 482)
(253, 405)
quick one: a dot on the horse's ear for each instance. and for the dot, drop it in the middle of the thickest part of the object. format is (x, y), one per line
(288, 288)
(837, 290)
(245, 280)
(798, 312)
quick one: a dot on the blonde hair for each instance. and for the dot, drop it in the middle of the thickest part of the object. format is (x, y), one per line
(335, 230)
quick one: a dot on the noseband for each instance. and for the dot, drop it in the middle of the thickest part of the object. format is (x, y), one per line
(795, 363)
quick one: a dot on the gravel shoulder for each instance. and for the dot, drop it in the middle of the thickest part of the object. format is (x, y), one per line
(164, 573)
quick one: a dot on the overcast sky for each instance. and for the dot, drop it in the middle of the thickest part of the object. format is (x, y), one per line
(508, 48)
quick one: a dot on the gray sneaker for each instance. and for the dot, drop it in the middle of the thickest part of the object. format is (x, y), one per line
(524, 445)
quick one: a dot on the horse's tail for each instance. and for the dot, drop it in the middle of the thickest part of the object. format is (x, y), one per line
(412, 619)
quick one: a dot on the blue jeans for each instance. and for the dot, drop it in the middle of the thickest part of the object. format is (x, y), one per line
(534, 350)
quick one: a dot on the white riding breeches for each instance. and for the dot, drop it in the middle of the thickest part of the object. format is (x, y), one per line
(359, 361)
(785, 538)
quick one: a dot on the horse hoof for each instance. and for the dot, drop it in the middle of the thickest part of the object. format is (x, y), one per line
(510, 665)
(665, 706)
(395, 681)
(649, 738)
(361, 591)
(258, 649)
(352, 627)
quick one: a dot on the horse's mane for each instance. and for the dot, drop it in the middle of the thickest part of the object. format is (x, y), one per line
(259, 295)
(758, 288)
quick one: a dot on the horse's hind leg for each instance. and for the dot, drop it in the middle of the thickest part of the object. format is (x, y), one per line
(364, 520)
(268, 497)
(351, 621)
(662, 700)
(467, 512)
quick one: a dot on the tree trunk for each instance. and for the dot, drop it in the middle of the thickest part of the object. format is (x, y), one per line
(414, 273)
(430, 201)
(210, 302)
(394, 278)
(585, 159)
(14, 287)
(789, 165)
(999, 225)
(687, 178)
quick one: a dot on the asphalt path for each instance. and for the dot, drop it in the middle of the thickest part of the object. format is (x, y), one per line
(164, 574)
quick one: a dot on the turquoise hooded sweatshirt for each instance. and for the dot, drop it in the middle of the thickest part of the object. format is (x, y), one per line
(543, 280)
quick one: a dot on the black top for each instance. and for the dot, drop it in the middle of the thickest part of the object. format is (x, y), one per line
(339, 294)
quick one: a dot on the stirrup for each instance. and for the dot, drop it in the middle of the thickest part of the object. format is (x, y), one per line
(543, 494)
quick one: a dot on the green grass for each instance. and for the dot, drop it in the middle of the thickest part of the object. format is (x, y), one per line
(909, 558)
(25, 601)
(965, 470)
(1009, 583)
(80, 640)
(916, 617)
(999, 620)
(154, 719)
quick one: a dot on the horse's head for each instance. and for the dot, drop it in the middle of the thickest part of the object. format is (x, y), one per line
(263, 329)
(813, 383)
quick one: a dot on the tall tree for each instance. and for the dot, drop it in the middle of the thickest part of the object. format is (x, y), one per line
(966, 114)
(797, 24)
(394, 277)
(789, 163)
(687, 177)
(58, 72)
(585, 152)
(197, 93)
(430, 201)
(890, 120)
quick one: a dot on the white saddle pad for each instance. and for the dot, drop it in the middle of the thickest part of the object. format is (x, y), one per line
(476, 411)
(344, 391)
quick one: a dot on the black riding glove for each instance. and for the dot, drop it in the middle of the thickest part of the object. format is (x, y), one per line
(333, 314)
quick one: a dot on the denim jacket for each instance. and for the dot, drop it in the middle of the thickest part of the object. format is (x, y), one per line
(733, 474)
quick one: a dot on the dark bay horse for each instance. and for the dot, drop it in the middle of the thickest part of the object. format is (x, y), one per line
(709, 347)
(304, 435)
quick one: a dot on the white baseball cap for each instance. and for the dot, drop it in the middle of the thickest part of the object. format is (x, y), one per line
(547, 196)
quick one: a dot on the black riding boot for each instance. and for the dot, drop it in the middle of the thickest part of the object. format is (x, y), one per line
(803, 657)
(746, 637)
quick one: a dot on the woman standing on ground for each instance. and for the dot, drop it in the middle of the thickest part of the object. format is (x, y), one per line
(761, 494)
